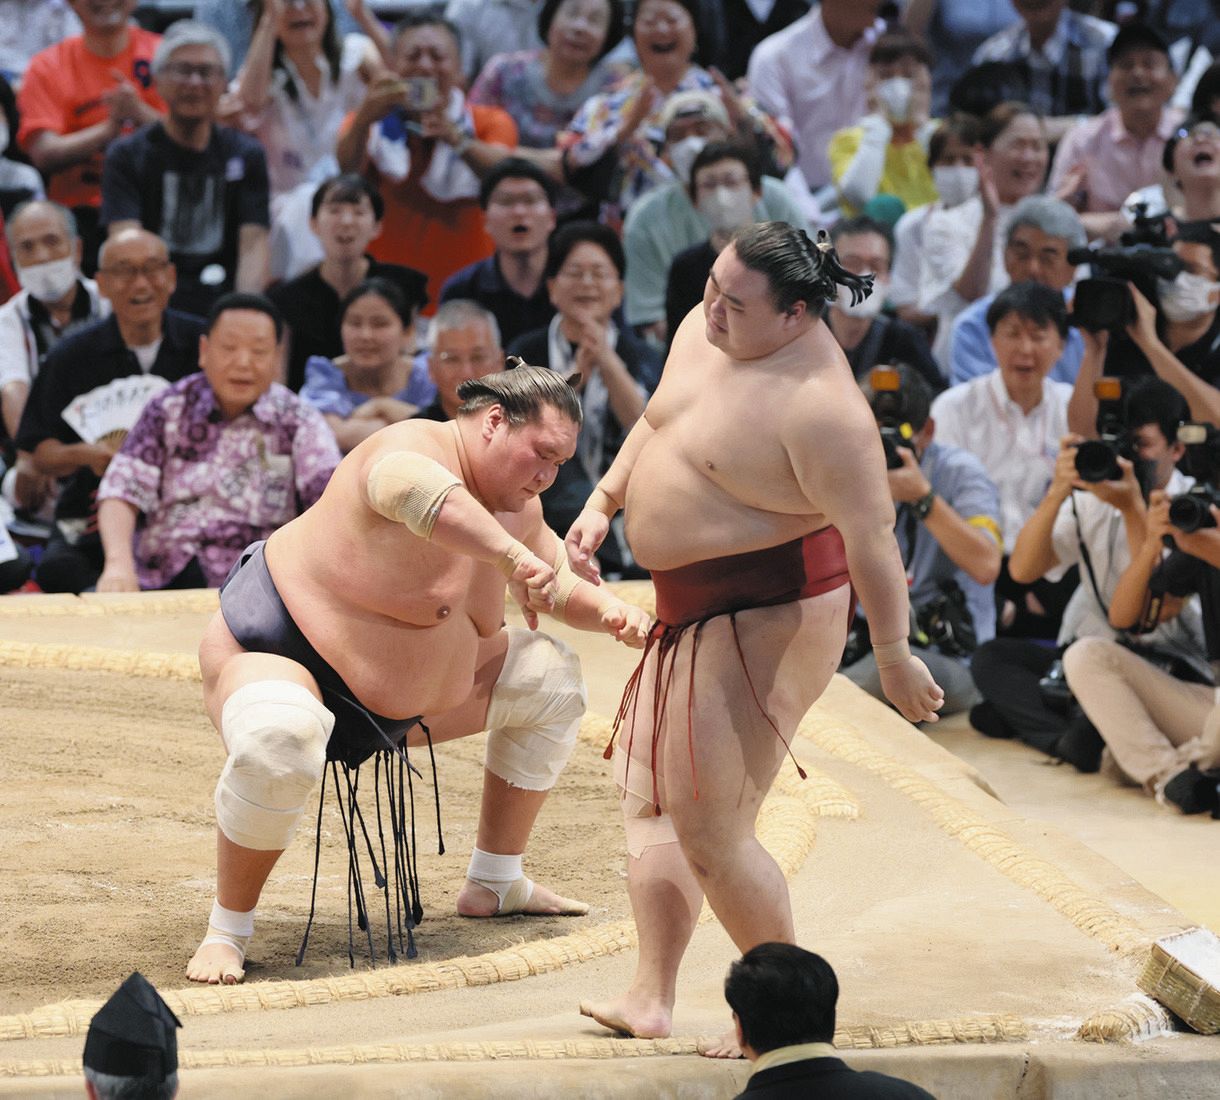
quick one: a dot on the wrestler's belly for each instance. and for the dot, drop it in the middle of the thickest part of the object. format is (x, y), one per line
(675, 515)
(395, 669)
(401, 632)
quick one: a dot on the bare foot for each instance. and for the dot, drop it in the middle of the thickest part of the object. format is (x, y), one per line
(724, 1047)
(632, 1014)
(522, 896)
(216, 963)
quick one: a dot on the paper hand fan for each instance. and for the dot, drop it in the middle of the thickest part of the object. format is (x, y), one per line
(106, 414)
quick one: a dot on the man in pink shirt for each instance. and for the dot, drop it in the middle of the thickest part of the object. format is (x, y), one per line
(1101, 160)
(811, 77)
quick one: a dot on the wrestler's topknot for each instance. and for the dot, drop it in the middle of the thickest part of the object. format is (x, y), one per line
(522, 391)
(797, 269)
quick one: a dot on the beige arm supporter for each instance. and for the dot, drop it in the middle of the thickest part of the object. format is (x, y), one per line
(565, 584)
(409, 488)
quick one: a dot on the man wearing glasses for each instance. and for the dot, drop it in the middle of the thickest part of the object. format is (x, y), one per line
(518, 201)
(464, 342)
(201, 187)
(141, 336)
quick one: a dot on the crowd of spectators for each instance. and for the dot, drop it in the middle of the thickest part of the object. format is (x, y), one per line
(236, 249)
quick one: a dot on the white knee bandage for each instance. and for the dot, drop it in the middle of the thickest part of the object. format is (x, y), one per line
(535, 711)
(276, 733)
(410, 488)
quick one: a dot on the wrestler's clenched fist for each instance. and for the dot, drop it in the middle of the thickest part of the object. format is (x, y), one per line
(627, 624)
(531, 582)
(910, 687)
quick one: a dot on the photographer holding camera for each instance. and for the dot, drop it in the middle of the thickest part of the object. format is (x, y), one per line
(1178, 339)
(1163, 733)
(948, 533)
(1098, 524)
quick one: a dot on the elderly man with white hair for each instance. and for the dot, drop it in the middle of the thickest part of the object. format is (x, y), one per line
(202, 188)
(464, 342)
(1041, 233)
(55, 299)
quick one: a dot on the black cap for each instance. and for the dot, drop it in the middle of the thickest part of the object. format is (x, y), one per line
(1135, 35)
(133, 1034)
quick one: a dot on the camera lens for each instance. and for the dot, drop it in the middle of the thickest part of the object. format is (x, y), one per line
(1095, 461)
(1189, 512)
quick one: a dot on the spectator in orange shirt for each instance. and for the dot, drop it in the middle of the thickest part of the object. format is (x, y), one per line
(77, 97)
(425, 148)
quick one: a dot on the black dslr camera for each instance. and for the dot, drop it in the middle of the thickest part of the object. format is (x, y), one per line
(1143, 256)
(945, 622)
(890, 414)
(1097, 459)
(1191, 510)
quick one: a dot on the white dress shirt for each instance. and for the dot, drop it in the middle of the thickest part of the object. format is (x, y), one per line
(812, 86)
(1018, 449)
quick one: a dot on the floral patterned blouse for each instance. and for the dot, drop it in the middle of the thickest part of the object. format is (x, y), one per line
(207, 487)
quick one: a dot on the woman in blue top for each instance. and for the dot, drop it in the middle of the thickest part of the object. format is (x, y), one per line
(376, 381)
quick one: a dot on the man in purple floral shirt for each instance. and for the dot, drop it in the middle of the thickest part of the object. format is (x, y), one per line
(215, 462)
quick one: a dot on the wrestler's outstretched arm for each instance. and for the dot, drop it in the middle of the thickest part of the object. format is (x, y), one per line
(416, 489)
(580, 604)
(840, 466)
(587, 534)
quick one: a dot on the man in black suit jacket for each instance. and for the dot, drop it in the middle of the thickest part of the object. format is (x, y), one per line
(783, 1000)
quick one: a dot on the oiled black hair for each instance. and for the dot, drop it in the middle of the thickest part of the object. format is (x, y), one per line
(797, 268)
(521, 391)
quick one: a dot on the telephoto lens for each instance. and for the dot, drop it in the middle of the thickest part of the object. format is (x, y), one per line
(1191, 511)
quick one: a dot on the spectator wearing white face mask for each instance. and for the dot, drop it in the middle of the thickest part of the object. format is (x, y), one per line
(886, 152)
(726, 188)
(866, 335)
(1178, 339)
(951, 160)
(667, 220)
(55, 299)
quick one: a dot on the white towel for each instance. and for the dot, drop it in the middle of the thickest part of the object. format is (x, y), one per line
(447, 179)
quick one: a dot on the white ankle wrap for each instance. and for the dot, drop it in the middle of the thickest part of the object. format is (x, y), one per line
(535, 710)
(231, 928)
(498, 874)
(276, 733)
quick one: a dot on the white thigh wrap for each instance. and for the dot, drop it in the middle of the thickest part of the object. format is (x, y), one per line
(644, 827)
(535, 710)
(276, 733)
